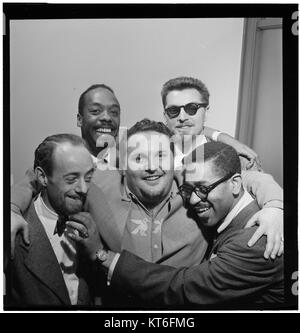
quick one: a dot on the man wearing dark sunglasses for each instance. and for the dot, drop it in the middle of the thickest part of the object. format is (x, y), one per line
(186, 103)
(233, 274)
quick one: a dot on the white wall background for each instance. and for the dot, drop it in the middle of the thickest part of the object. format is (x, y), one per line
(53, 61)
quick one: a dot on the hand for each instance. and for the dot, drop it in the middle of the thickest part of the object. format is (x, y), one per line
(242, 150)
(17, 224)
(84, 231)
(250, 155)
(270, 222)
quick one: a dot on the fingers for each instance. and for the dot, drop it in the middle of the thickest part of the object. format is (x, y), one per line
(17, 223)
(83, 218)
(269, 247)
(258, 162)
(252, 221)
(276, 246)
(281, 249)
(80, 228)
(12, 245)
(26, 234)
(75, 236)
(255, 237)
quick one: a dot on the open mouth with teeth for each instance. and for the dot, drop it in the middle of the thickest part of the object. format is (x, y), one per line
(76, 199)
(184, 126)
(152, 178)
(107, 130)
(202, 211)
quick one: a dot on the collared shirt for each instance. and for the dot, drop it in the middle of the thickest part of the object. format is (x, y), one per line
(245, 200)
(241, 204)
(142, 232)
(63, 247)
(170, 235)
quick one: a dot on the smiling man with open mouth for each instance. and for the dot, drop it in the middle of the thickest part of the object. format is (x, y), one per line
(150, 167)
(99, 114)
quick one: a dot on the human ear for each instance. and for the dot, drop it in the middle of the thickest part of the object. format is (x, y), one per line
(79, 120)
(206, 114)
(41, 176)
(236, 182)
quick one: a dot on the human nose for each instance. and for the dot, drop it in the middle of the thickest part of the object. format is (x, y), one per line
(182, 114)
(105, 115)
(152, 164)
(194, 199)
(82, 186)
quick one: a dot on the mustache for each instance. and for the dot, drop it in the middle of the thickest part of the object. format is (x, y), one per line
(80, 196)
(201, 205)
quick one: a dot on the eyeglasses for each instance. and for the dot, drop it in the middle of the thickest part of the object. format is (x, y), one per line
(186, 190)
(190, 108)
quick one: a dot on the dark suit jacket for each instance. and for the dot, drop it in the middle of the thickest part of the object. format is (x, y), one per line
(36, 277)
(234, 276)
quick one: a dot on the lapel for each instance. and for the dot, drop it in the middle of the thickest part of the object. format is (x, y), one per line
(102, 210)
(41, 259)
(237, 223)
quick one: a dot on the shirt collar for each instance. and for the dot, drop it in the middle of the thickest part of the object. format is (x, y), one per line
(127, 195)
(44, 209)
(47, 216)
(241, 204)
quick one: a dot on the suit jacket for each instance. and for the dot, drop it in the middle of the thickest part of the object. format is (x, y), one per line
(36, 277)
(234, 276)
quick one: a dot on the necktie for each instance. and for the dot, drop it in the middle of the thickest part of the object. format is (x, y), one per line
(60, 225)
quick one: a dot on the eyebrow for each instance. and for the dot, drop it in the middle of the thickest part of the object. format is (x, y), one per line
(100, 104)
(77, 173)
(91, 170)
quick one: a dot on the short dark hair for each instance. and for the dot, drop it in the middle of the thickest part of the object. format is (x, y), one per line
(223, 156)
(149, 125)
(44, 152)
(141, 127)
(184, 82)
(92, 87)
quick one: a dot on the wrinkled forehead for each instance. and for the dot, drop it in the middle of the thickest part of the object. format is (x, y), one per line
(149, 142)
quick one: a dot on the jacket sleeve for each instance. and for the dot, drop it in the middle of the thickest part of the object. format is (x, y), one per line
(22, 192)
(264, 188)
(236, 271)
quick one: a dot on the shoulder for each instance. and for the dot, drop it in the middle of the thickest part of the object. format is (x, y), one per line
(107, 180)
(236, 244)
(239, 238)
(256, 175)
(21, 250)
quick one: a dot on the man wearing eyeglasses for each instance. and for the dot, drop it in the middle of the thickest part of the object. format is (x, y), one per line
(233, 275)
(186, 103)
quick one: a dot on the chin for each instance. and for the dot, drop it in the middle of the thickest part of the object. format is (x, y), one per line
(74, 209)
(154, 197)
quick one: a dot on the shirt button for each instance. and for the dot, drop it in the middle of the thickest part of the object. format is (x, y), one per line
(155, 246)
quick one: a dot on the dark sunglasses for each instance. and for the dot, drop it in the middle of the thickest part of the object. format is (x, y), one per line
(190, 108)
(202, 191)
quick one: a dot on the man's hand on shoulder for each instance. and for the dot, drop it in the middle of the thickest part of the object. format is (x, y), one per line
(17, 224)
(270, 221)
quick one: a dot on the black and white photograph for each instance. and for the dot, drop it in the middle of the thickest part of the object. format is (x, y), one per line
(150, 157)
